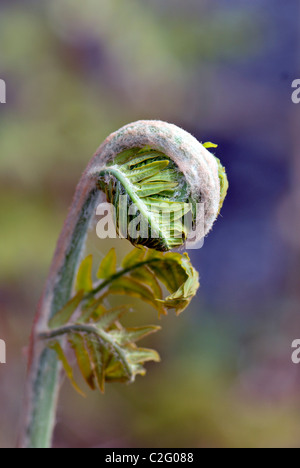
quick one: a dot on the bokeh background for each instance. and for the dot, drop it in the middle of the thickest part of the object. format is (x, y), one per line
(221, 69)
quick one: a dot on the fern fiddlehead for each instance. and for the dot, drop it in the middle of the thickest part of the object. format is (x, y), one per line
(161, 169)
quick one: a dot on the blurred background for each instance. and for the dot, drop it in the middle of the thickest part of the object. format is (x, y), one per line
(75, 72)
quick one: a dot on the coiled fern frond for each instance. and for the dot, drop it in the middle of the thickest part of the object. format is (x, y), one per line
(152, 184)
(163, 172)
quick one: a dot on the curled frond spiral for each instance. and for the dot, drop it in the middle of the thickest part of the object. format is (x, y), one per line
(165, 172)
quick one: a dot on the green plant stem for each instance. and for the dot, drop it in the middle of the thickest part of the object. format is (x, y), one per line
(90, 329)
(118, 275)
(44, 368)
(76, 328)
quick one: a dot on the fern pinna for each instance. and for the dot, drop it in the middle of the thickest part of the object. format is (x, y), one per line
(105, 350)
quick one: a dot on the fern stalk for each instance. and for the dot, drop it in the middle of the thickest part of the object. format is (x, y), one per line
(201, 174)
(44, 369)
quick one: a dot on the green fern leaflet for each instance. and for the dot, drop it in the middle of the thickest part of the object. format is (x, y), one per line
(105, 350)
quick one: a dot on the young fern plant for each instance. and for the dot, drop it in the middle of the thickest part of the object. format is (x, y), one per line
(161, 173)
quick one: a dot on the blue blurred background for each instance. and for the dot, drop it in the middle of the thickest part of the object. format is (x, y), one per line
(75, 72)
